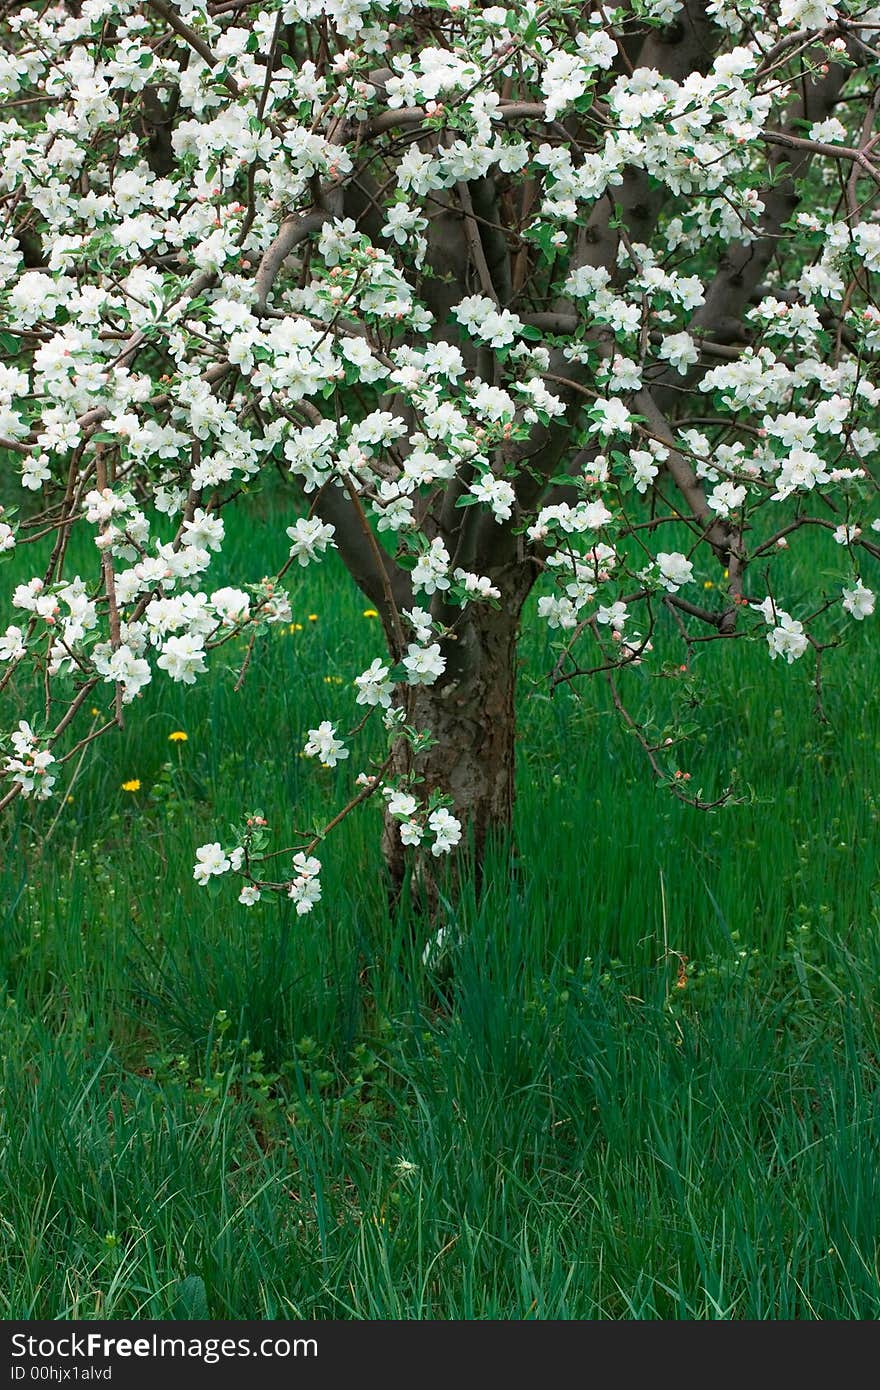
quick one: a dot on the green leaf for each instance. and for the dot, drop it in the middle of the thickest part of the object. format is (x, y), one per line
(191, 1303)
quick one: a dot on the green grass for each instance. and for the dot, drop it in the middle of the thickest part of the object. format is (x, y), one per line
(205, 1109)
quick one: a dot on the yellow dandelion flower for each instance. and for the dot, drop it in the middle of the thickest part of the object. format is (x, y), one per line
(332, 680)
(313, 617)
(133, 785)
(95, 712)
(708, 584)
(370, 613)
(178, 736)
(69, 800)
(295, 627)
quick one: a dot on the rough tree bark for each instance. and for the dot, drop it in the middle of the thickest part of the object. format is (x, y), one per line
(471, 715)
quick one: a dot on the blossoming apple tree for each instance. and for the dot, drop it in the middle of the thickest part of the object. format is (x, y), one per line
(568, 295)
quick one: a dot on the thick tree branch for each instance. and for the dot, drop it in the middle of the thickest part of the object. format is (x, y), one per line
(195, 41)
(294, 229)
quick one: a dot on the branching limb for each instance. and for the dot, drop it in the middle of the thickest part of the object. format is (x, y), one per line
(293, 230)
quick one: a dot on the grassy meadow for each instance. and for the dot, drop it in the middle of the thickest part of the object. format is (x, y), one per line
(647, 1088)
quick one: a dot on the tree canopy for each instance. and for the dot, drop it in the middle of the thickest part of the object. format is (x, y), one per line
(566, 295)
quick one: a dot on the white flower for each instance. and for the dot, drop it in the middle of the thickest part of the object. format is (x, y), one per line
(787, 638)
(422, 623)
(211, 860)
(559, 612)
(614, 616)
(726, 498)
(323, 744)
(446, 830)
(493, 403)
(12, 645)
(858, 601)
(123, 666)
(29, 767)
(831, 415)
(564, 80)
(497, 327)
(805, 14)
(477, 586)
(358, 352)
(867, 237)
(305, 890)
(374, 686)
(431, 570)
(402, 1166)
(205, 532)
(497, 493)
(680, 351)
(231, 605)
(424, 665)
(597, 49)
(400, 222)
(845, 535)
(645, 469)
(610, 417)
(411, 832)
(183, 658)
(591, 516)
(249, 895)
(802, 469)
(401, 804)
(828, 132)
(34, 472)
(310, 539)
(541, 399)
(675, 570)
(306, 865)
(626, 375)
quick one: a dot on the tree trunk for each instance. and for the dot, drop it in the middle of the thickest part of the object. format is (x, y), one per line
(470, 712)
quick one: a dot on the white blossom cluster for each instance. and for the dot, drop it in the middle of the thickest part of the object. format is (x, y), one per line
(416, 820)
